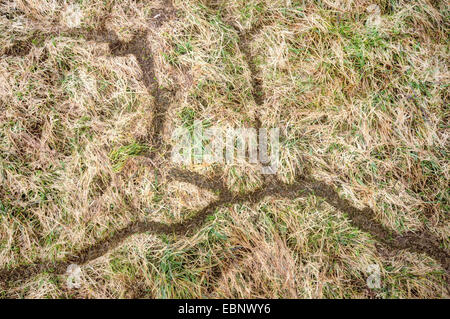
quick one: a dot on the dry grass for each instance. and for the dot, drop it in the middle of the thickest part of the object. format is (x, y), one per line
(359, 92)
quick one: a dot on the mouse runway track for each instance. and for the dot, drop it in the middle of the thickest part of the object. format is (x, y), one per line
(363, 219)
(421, 242)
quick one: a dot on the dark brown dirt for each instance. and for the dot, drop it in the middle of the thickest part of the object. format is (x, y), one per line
(161, 15)
(20, 48)
(140, 48)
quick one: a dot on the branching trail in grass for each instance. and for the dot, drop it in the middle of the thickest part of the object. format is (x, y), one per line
(420, 242)
(137, 46)
(140, 48)
(363, 219)
(256, 81)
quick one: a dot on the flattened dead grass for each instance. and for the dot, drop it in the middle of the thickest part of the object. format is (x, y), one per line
(359, 92)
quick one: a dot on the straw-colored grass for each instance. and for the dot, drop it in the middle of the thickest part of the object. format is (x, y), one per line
(358, 88)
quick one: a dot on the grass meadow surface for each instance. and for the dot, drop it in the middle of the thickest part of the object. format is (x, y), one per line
(91, 91)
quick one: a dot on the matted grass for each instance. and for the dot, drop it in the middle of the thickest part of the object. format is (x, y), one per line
(91, 91)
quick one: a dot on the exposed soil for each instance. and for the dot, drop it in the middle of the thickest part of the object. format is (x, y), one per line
(20, 48)
(244, 46)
